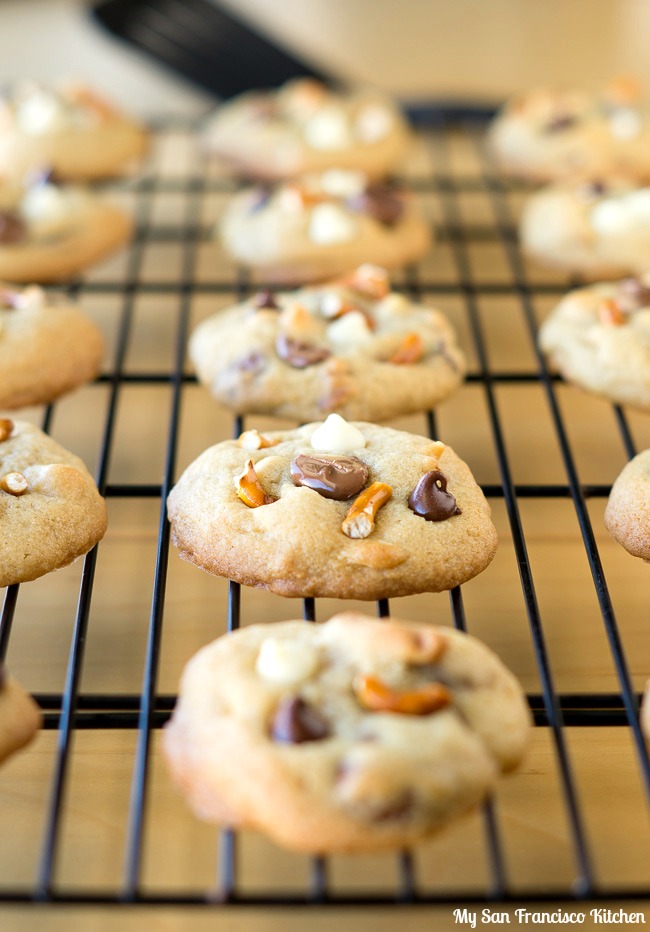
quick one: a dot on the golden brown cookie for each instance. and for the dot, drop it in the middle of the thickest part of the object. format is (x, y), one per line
(304, 127)
(322, 226)
(47, 347)
(627, 515)
(352, 346)
(73, 130)
(50, 232)
(20, 717)
(337, 509)
(599, 338)
(349, 736)
(548, 134)
(50, 509)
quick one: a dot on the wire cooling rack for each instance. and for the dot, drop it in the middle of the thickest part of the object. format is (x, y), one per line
(88, 813)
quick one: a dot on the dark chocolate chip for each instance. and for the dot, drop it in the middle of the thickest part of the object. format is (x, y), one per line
(430, 498)
(295, 722)
(634, 294)
(12, 227)
(260, 196)
(560, 122)
(254, 363)
(338, 477)
(299, 354)
(265, 300)
(380, 202)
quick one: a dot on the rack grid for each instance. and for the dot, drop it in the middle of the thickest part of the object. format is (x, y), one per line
(560, 712)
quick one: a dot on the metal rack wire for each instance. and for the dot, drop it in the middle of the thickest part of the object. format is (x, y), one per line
(74, 710)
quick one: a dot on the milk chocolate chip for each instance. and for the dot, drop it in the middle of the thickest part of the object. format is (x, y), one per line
(12, 228)
(332, 476)
(295, 722)
(380, 202)
(431, 500)
(299, 354)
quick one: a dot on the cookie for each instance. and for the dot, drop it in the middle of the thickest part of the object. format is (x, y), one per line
(599, 338)
(549, 134)
(47, 347)
(72, 129)
(349, 736)
(50, 509)
(323, 226)
(304, 127)
(50, 232)
(600, 229)
(335, 509)
(627, 515)
(352, 346)
(20, 717)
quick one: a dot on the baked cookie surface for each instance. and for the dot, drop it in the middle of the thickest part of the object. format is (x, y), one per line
(352, 735)
(20, 717)
(50, 509)
(548, 134)
(599, 228)
(627, 515)
(599, 338)
(304, 127)
(47, 347)
(337, 509)
(50, 232)
(352, 346)
(73, 130)
(322, 226)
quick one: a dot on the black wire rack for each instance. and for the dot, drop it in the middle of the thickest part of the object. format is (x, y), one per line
(561, 713)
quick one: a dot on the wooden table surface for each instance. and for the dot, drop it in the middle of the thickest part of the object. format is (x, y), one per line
(179, 854)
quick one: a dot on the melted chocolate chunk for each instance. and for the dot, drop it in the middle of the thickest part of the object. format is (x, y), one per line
(380, 202)
(12, 227)
(560, 122)
(295, 722)
(634, 294)
(299, 354)
(338, 477)
(431, 500)
(265, 300)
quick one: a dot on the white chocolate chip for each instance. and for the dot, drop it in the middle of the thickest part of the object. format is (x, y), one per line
(638, 204)
(285, 661)
(350, 330)
(290, 200)
(335, 435)
(14, 483)
(328, 129)
(338, 183)
(32, 296)
(46, 208)
(625, 123)
(330, 224)
(610, 216)
(393, 303)
(373, 122)
(42, 111)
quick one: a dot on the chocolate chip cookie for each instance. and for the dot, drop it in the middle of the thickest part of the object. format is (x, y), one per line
(50, 509)
(304, 126)
(20, 718)
(74, 130)
(627, 515)
(349, 736)
(598, 228)
(322, 226)
(337, 509)
(599, 338)
(352, 346)
(548, 134)
(47, 347)
(50, 232)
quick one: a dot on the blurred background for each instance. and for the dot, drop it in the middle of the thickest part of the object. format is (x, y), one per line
(465, 47)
